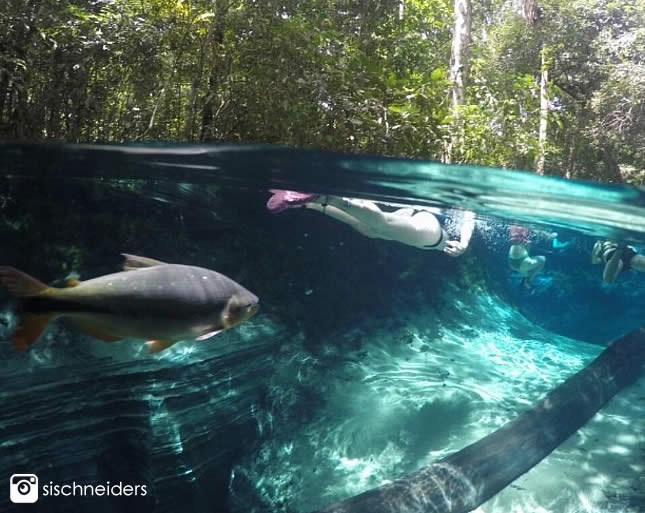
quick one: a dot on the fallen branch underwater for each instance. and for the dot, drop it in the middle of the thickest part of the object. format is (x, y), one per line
(464, 480)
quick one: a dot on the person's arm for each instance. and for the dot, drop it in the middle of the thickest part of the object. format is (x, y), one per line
(457, 248)
(467, 227)
(613, 265)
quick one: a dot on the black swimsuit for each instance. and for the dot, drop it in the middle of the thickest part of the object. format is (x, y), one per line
(625, 258)
(430, 246)
(439, 217)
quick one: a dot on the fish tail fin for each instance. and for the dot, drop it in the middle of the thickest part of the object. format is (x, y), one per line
(20, 284)
(30, 327)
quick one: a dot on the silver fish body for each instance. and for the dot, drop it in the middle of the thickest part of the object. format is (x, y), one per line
(152, 300)
(169, 302)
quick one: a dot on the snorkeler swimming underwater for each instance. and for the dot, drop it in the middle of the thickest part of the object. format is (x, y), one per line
(519, 259)
(413, 226)
(151, 300)
(617, 258)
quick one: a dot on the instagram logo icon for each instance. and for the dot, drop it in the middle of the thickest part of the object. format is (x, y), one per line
(23, 488)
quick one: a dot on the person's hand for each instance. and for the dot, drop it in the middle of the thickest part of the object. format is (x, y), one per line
(454, 248)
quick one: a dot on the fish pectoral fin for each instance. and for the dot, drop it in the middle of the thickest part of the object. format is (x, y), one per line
(20, 284)
(91, 329)
(226, 317)
(29, 329)
(134, 262)
(209, 334)
(156, 346)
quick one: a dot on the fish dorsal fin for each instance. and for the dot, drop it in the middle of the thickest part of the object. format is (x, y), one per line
(134, 262)
(20, 284)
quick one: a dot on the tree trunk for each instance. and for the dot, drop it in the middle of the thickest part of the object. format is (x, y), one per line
(52, 97)
(612, 171)
(459, 68)
(544, 112)
(571, 159)
(18, 97)
(4, 92)
(216, 38)
(80, 110)
(189, 128)
(533, 14)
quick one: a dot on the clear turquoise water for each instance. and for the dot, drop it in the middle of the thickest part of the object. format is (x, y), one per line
(595, 209)
(368, 359)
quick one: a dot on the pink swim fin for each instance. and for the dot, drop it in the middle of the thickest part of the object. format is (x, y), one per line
(282, 200)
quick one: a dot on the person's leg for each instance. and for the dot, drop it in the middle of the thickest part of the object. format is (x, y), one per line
(338, 208)
(530, 266)
(338, 214)
(638, 263)
(612, 268)
(365, 211)
(422, 230)
(517, 253)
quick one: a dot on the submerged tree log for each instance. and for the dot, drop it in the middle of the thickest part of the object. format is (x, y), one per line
(466, 479)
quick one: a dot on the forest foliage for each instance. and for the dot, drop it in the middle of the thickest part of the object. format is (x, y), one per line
(355, 75)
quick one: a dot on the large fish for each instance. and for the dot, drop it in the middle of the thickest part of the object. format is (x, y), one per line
(151, 300)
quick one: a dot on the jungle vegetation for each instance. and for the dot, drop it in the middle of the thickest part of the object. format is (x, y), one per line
(557, 86)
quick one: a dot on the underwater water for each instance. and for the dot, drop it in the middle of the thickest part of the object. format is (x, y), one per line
(368, 359)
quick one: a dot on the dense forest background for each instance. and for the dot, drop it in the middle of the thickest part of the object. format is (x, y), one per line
(554, 85)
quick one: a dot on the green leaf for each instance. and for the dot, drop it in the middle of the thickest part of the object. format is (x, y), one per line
(438, 74)
(204, 16)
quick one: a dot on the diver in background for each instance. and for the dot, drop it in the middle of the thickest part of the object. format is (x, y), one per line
(519, 259)
(413, 226)
(616, 257)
